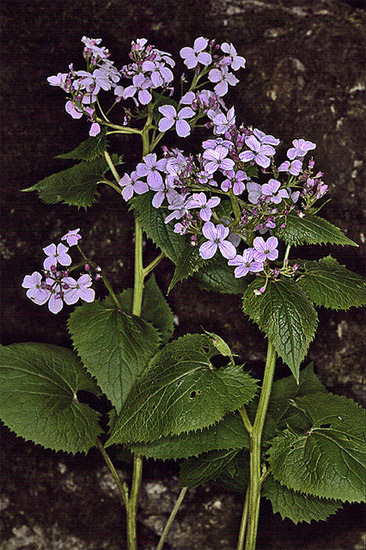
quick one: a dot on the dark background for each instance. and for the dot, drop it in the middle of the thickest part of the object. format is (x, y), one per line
(304, 78)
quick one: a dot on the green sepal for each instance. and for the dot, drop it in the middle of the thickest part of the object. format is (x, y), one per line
(311, 229)
(328, 283)
(286, 316)
(181, 392)
(328, 460)
(114, 346)
(39, 385)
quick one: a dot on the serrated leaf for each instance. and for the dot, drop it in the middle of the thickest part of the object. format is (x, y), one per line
(152, 221)
(329, 459)
(88, 150)
(296, 506)
(286, 316)
(188, 262)
(155, 309)
(284, 391)
(329, 284)
(195, 471)
(311, 229)
(182, 392)
(236, 475)
(75, 186)
(39, 385)
(229, 433)
(115, 347)
(218, 276)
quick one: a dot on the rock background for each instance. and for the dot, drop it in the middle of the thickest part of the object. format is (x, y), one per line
(304, 78)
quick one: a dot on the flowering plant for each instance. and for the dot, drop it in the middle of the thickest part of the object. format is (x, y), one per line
(228, 217)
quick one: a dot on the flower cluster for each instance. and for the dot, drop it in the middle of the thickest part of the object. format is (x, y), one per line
(56, 286)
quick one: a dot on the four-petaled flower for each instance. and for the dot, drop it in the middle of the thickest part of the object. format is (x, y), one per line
(246, 263)
(150, 168)
(73, 290)
(272, 191)
(195, 55)
(131, 184)
(199, 200)
(37, 291)
(72, 237)
(216, 159)
(223, 78)
(216, 238)
(171, 117)
(259, 153)
(266, 249)
(235, 61)
(300, 148)
(56, 255)
(293, 167)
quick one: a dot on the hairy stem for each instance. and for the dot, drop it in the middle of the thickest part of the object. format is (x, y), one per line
(171, 518)
(244, 520)
(255, 450)
(132, 503)
(152, 265)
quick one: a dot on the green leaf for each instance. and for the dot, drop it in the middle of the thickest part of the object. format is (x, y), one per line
(236, 475)
(181, 392)
(39, 385)
(297, 506)
(328, 460)
(329, 284)
(75, 186)
(284, 391)
(286, 316)
(88, 150)
(115, 347)
(229, 433)
(152, 221)
(155, 308)
(188, 262)
(195, 471)
(311, 230)
(218, 276)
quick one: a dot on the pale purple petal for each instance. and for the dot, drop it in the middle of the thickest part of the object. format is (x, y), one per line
(144, 97)
(165, 124)
(204, 58)
(227, 249)
(183, 128)
(55, 303)
(209, 231)
(168, 111)
(200, 44)
(222, 231)
(208, 250)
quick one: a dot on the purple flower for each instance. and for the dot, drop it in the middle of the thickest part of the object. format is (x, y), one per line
(131, 184)
(235, 61)
(223, 123)
(216, 159)
(73, 110)
(72, 237)
(246, 263)
(56, 255)
(293, 167)
(139, 84)
(195, 55)
(265, 249)
(300, 148)
(259, 153)
(55, 303)
(254, 191)
(73, 290)
(160, 75)
(94, 129)
(150, 168)
(235, 181)
(265, 139)
(216, 236)
(171, 117)
(271, 191)
(199, 200)
(222, 77)
(37, 291)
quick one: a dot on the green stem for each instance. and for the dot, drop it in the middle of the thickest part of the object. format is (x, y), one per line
(112, 184)
(246, 421)
(139, 271)
(122, 487)
(171, 518)
(132, 503)
(111, 166)
(152, 265)
(122, 129)
(244, 520)
(255, 450)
